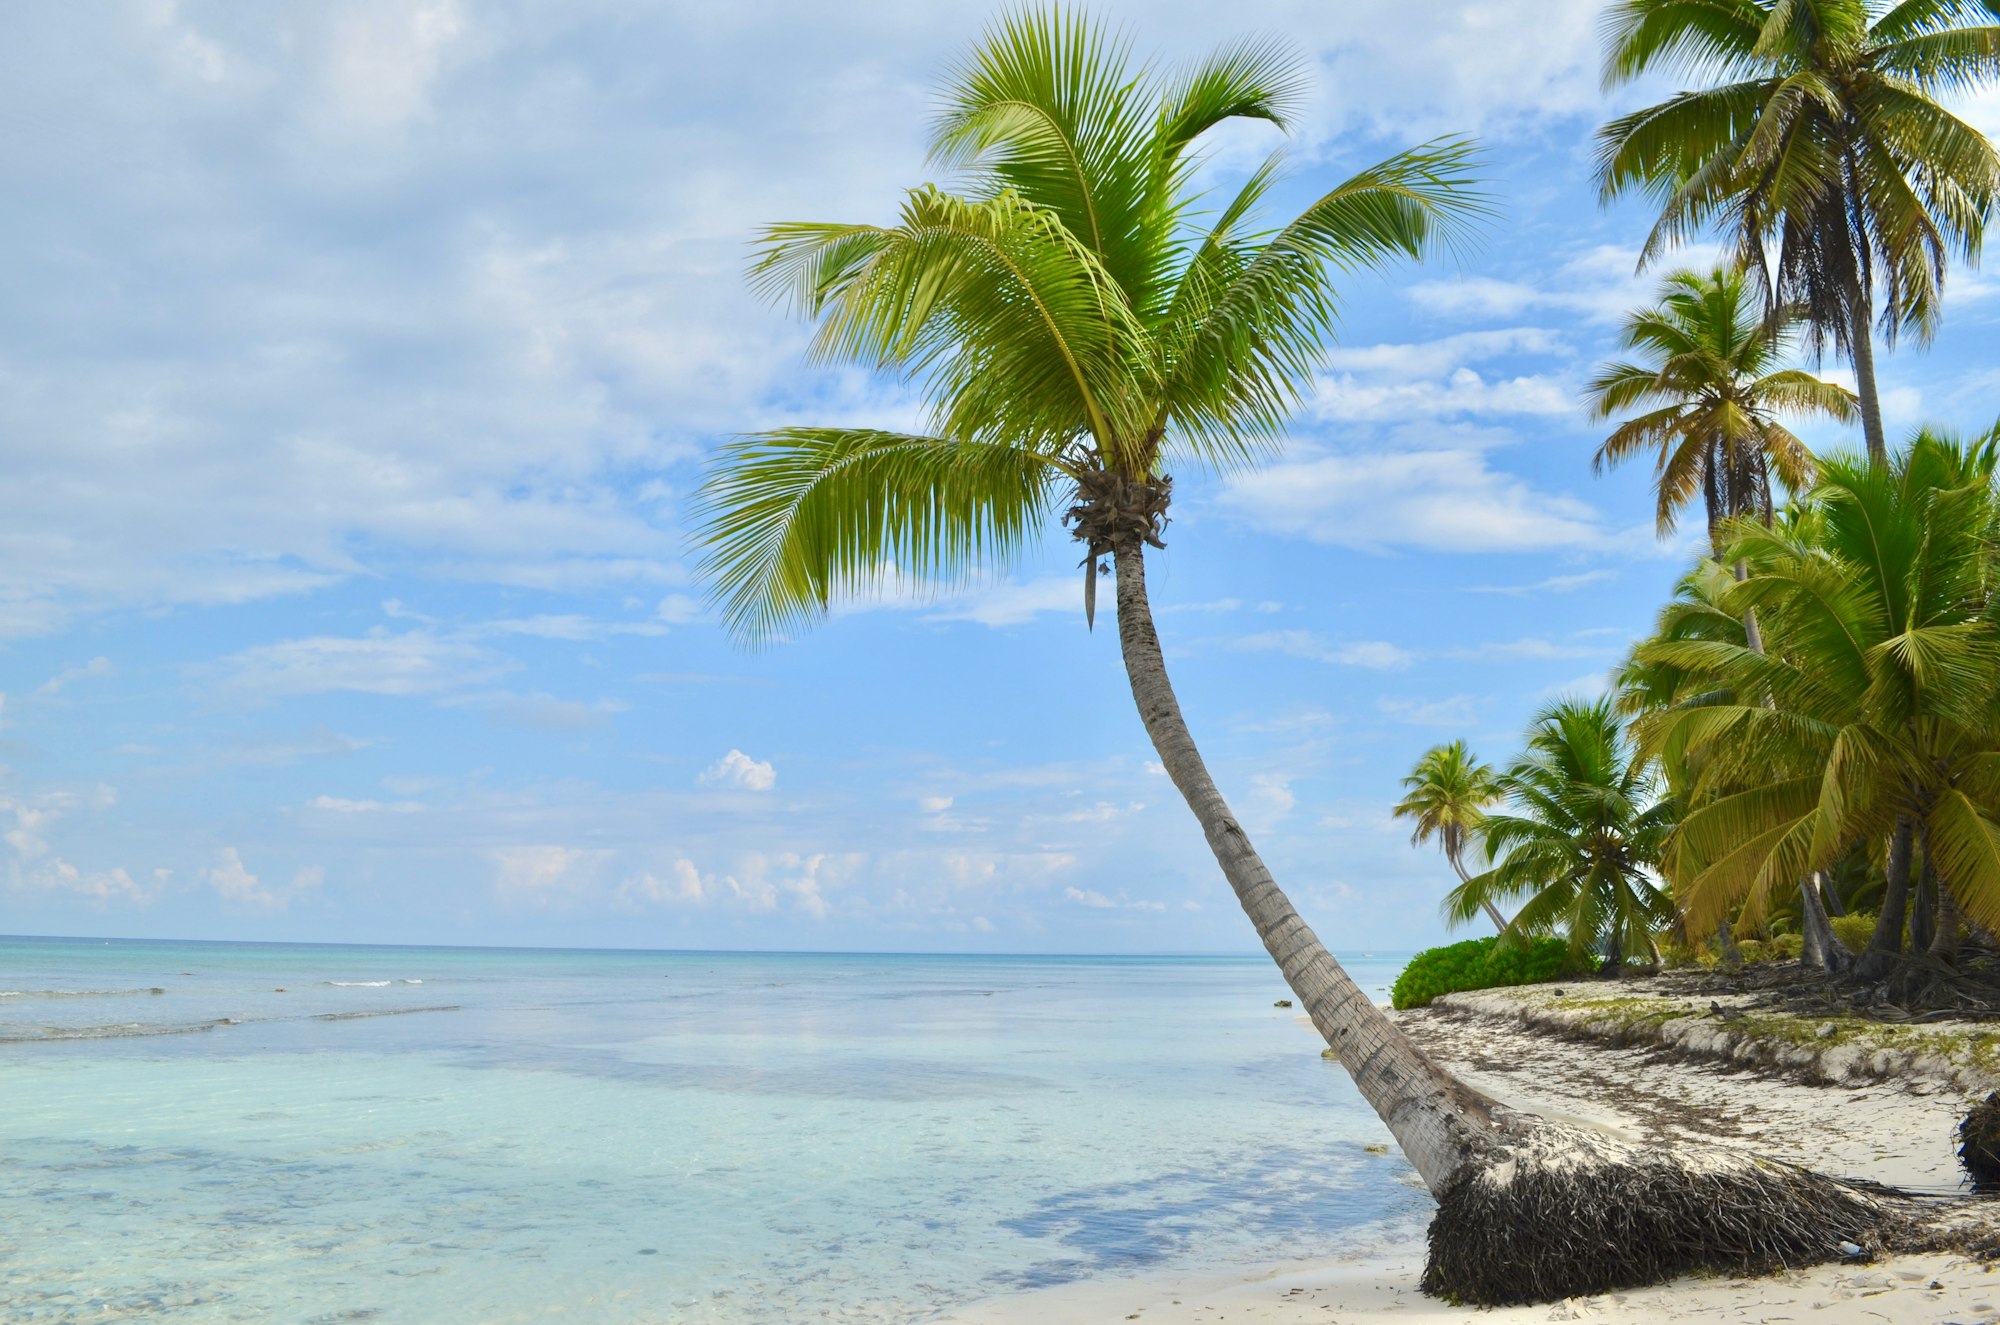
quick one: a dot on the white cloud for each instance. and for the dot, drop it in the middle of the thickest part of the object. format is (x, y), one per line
(934, 804)
(684, 886)
(740, 772)
(95, 669)
(1452, 711)
(417, 662)
(1553, 584)
(1441, 500)
(1096, 901)
(1015, 603)
(568, 626)
(234, 883)
(541, 873)
(1306, 644)
(341, 805)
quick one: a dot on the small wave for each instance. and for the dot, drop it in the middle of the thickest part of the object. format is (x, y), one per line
(359, 984)
(77, 993)
(409, 981)
(126, 1031)
(383, 1012)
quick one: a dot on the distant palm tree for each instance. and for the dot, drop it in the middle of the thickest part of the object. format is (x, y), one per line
(1446, 796)
(1585, 833)
(1824, 138)
(1708, 370)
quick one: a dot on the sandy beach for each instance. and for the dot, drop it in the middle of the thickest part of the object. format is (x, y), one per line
(1895, 1133)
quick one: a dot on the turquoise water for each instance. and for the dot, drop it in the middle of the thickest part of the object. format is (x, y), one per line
(293, 1133)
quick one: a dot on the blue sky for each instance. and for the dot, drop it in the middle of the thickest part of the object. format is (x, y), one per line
(357, 363)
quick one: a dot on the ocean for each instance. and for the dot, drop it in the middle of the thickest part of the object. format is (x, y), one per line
(207, 1132)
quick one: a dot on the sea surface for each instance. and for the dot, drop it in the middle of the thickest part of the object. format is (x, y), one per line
(272, 1133)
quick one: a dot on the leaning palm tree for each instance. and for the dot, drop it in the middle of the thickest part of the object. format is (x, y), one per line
(1080, 329)
(1709, 383)
(1824, 139)
(1580, 842)
(1445, 797)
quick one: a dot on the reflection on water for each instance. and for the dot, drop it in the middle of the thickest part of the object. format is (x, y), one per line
(616, 1137)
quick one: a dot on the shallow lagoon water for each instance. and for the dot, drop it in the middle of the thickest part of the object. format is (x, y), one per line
(440, 1135)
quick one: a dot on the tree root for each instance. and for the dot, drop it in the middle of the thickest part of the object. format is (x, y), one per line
(1558, 1212)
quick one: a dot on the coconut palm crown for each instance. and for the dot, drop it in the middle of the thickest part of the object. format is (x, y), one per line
(1821, 150)
(1079, 316)
(1445, 797)
(1710, 388)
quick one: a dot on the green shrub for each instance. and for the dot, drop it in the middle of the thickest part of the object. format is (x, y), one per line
(1854, 931)
(1476, 964)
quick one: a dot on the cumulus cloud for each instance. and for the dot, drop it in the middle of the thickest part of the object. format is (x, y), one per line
(234, 883)
(1440, 500)
(740, 772)
(541, 872)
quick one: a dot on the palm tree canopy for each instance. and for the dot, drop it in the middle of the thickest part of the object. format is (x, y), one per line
(1874, 702)
(1584, 826)
(1073, 306)
(1709, 389)
(1823, 134)
(1445, 797)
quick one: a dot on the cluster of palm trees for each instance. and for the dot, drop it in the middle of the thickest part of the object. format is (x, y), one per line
(1820, 702)
(1813, 724)
(1083, 322)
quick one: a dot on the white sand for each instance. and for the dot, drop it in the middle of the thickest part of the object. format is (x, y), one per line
(1892, 1134)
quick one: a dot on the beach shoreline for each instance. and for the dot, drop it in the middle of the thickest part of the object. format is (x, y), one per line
(1894, 1132)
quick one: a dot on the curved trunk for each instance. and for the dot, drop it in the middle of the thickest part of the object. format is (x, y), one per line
(1492, 911)
(1439, 1122)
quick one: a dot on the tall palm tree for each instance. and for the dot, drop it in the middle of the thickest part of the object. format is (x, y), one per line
(1585, 831)
(1445, 797)
(1872, 719)
(1080, 330)
(1824, 140)
(1711, 388)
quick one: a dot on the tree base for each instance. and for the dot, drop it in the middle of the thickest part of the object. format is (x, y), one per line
(1561, 1213)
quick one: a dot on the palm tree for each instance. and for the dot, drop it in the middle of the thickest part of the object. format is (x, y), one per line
(1710, 377)
(1872, 720)
(1584, 835)
(1446, 796)
(1824, 138)
(1080, 331)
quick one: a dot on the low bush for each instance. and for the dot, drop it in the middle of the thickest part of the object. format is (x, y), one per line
(1476, 964)
(1854, 931)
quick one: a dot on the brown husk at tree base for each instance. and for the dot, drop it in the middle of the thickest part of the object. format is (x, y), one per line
(1979, 1144)
(1560, 1212)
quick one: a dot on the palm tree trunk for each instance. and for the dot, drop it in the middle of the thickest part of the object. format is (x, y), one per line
(1862, 338)
(1437, 1120)
(1885, 946)
(1492, 911)
(1823, 947)
(1944, 944)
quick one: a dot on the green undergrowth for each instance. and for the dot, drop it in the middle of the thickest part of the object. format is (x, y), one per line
(1476, 964)
(1809, 1044)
